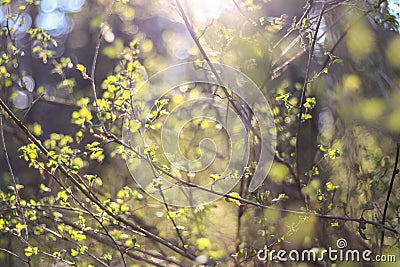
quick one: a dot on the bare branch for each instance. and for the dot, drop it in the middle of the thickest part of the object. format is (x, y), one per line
(395, 172)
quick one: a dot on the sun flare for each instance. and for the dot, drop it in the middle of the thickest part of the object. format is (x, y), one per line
(206, 10)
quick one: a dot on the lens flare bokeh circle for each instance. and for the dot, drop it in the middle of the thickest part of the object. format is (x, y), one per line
(189, 129)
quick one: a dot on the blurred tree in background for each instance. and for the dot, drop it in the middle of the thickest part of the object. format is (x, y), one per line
(69, 73)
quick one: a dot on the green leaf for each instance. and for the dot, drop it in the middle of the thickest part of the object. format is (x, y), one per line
(283, 97)
(107, 257)
(62, 196)
(310, 102)
(77, 235)
(82, 69)
(280, 198)
(331, 187)
(44, 188)
(29, 251)
(203, 243)
(37, 230)
(335, 224)
(235, 195)
(19, 227)
(37, 129)
(74, 252)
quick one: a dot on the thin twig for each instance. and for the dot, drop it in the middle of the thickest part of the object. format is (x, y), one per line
(395, 172)
(16, 191)
(57, 235)
(31, 106)
(307, 8)
(94, 62)
(58, 258)
(286, 164)
(93, 83)
(303, 95)
(205, 29)
(46, 207)
(256, 204)
(212, 68)
(64, 169)
(87, 210)
(346, 31)
(249, 19)
(15, 255)
(93, 235)
(171, 218)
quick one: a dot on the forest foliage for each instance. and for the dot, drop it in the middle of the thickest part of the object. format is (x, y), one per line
(72, 72)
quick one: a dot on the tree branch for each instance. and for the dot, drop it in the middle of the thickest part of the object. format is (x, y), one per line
(303, 96)
(395, 172)
(16, 191)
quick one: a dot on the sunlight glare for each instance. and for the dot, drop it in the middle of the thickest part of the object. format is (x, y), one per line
(207, 10)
